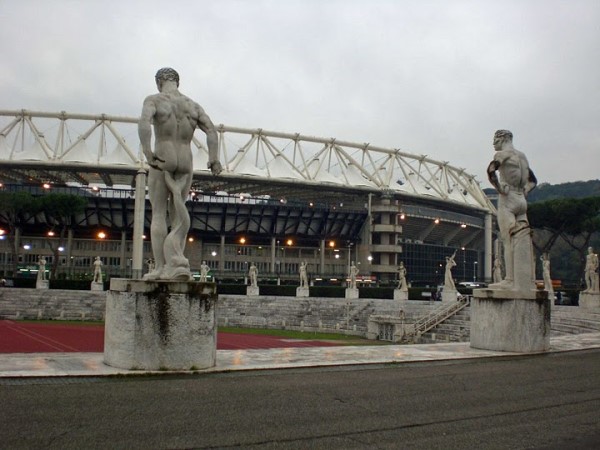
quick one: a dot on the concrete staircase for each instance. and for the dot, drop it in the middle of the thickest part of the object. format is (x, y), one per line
(565, 320)
(574, 320)
(456, 328)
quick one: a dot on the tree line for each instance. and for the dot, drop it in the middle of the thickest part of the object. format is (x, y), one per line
(564, 228)
(55, 211)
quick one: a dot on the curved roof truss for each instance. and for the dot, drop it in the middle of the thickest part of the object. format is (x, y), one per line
(103, 149)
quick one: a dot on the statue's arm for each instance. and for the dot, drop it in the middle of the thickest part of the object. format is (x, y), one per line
(531, 182)
(493, 176)
(212, 141)
(145, 130)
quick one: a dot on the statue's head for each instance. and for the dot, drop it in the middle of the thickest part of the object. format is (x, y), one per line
(502, 136)
(166, 74)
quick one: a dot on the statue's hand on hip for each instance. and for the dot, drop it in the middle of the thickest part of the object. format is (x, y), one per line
(157, 163)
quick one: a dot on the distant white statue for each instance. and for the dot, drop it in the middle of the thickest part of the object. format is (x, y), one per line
(303, 275)
(150, 264)
(352, 274)
(497, 273)
(402, 278)
(546, 275)
(511, 176)
(174, 118)
(41, 275)
(204, 269)
(253, 274)
(448, 280)
(97, 270)
(591, 271)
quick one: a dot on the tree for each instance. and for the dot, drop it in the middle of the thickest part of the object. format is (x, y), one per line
(564, 217)
(59, 210)
(573, 220)
(16, 208)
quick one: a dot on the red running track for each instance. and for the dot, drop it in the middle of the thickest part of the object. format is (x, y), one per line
(31, 337)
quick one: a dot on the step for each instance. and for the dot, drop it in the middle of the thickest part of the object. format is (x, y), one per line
(571, 329)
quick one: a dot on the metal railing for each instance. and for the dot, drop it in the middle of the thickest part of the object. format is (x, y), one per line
(437, 316)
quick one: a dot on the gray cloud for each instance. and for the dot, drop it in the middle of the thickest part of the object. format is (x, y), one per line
(430, 77)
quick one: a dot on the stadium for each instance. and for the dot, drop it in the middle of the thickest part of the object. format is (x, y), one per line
(283, 198)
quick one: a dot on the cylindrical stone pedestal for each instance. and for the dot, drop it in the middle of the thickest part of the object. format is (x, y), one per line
(510, 321)
(302, 292)
(160, 325)
(351, 293)
(252, 291)
(589, 300)
(449, 295)
(400, 296)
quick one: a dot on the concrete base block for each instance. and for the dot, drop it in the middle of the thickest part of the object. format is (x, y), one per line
(450, 295)
(351, 293)
(589, 300)
(510, 321)
(96, 286)
(302, 292)
(400, 296)
(252, 291)
(389, 328)
(160, 325)
(42, 284)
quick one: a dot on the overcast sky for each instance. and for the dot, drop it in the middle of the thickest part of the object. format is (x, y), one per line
(429, 77)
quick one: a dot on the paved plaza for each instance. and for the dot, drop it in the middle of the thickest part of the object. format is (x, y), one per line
(91, 364)
(545, 401)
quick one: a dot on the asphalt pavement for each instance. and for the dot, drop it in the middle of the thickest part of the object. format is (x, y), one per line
(544, 401)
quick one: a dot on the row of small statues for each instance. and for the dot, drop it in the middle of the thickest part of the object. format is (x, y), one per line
(41, 275)
(591, 272)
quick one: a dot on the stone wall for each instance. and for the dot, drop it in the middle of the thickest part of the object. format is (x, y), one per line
(52, 304)
(314, 314)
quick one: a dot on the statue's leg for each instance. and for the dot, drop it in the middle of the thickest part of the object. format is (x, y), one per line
(158, 194)
(184, 183)
(506, 222)
(177, 265)
(523, 259)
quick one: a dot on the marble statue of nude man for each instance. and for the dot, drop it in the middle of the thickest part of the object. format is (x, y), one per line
(303, 275)
(174, 117)
(515, 181)
(204, 269)
(402, 277)
(352, 274)
(253, 273)
(97, 270)
(591, 271)
(448, 280)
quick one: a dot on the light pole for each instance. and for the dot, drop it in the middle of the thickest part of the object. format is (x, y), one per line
(474, 270)
(464, 264)
(349, 255)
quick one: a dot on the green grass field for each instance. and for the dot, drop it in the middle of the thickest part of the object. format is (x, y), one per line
(306, 335)
(313, 335)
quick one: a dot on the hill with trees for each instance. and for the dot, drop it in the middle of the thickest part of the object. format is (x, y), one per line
(575, 189)
(547, 191)
(565, 219)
